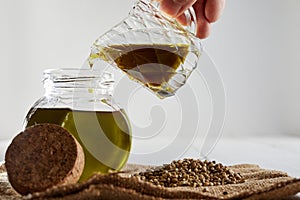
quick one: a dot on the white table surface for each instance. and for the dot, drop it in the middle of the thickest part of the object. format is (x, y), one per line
(278, 153)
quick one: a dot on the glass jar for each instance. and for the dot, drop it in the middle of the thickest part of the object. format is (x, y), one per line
(80, 100)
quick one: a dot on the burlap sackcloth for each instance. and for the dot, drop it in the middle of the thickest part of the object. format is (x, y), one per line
(260, 184)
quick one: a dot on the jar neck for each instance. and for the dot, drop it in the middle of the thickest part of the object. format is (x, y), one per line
(78, 83)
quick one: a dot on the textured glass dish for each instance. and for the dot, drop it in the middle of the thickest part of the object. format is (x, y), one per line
(150, 48)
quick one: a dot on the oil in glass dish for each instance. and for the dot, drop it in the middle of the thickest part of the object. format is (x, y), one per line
(153, 65)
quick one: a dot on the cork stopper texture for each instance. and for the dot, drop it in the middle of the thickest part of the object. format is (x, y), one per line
(43, 156)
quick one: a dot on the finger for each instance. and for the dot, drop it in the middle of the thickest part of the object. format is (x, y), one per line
(175, 8)
(170, 7)
(185, 6)
(203, 26)
(214, 9)
(182, 20)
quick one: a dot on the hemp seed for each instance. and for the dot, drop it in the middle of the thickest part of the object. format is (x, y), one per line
(192, 173)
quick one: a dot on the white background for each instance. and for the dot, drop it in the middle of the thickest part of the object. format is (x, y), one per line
(255, 45)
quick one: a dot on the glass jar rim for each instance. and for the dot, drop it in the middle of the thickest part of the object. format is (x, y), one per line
(78, 78)
(74, 72)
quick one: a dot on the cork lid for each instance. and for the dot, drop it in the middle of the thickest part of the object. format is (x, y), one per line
(43, 156)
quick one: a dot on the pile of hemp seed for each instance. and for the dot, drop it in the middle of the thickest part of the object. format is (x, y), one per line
(190, 173)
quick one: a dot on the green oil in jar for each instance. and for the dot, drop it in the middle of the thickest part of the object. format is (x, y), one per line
(105, 136)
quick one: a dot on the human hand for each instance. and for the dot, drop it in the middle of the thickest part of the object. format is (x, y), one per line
(207, 12)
